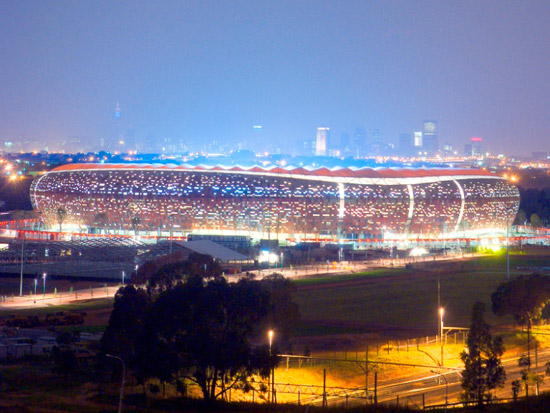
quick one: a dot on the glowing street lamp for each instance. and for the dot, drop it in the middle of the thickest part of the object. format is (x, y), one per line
(44, 275)
(272, 379)
(124, 275)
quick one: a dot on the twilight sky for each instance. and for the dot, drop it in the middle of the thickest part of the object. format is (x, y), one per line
(203, 70)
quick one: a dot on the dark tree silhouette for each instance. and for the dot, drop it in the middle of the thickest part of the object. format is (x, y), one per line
(61, 214)
(283, 312)
(126, 325)
(63, 353)
(483, 370)
(524, 298)
(166, 275)
(206, 330)
(192, 324)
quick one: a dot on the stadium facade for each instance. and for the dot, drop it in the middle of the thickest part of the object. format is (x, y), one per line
(277, 203)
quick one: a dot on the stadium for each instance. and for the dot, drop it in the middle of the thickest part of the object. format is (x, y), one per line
(285, 204)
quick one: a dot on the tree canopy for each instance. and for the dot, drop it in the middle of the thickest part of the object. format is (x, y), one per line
(207, 326)
(483, 370)
(523, 297)
(192, 324)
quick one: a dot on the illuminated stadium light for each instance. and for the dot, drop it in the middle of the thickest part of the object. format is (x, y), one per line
(288, 204)
(418, 252)
(269, 257)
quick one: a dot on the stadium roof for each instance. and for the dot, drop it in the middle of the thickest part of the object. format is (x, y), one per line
(214, 250)
(351, 172)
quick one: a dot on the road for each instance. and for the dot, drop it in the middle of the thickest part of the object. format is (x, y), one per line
(436, 388)
(66, 297)
(60, 298)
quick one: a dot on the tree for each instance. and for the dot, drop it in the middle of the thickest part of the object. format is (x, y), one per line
(125, 330)
(483, 370)
(136, 220)
(283, 312)
(63, 353)
(166, 275)
(193, 325)
(521, 218)
(523, 298)
(206, 330)
(536, 222)
(61, 215)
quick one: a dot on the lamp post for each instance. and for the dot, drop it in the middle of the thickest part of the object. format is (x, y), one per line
(441, 311)
(446, 386)
(507, 253)
(137, 266)
(21, 278)
(272, 379)
(44, 275)
(123, 275)
(35, 283)
(123, 378)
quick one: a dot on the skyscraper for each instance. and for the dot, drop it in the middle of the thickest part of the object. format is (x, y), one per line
(117, 111)
(321, 143)
(476, 146)
(405, 144)
(359, 143)
(430, 141)
(114, 144)
(417, 142)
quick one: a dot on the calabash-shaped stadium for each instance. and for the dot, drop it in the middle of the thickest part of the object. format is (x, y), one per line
(286, 204)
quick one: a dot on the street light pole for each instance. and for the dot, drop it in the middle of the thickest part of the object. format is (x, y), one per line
(446, 389)
(123, 275)
(507, 253)
(21, 278)
(441, 333)
(272, 379)
(123, 378)
(44, 275)
(446, 386)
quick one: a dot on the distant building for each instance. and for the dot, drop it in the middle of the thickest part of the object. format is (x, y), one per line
(539, 156)
(476, 146)
(448, 148)
(430, 139)
(376, 147)
(359, 145)
(405, 144)
(345, 145)
(321, 143)
(418, 143)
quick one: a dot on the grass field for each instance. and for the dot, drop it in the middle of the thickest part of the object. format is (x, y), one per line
(407, 299)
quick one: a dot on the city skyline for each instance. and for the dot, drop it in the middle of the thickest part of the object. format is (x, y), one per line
(212, 71)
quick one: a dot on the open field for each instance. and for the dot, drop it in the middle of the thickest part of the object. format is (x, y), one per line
(403, 302)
